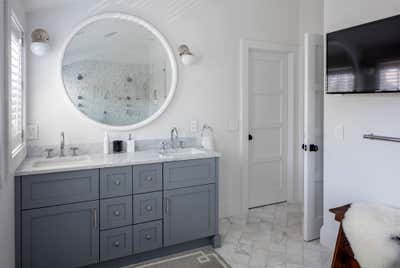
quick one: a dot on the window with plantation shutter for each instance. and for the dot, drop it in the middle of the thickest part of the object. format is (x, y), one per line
(341, 80)
(16, 85)
(389, 76)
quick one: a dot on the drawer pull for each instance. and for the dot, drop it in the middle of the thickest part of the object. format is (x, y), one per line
(117, 213)
(94, 213)
(147, 236)
(116, 244)
(149, 208)
(167, 206)
(117, 182)
(149, 179)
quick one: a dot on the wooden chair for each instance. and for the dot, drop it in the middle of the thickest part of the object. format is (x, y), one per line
(343, 256)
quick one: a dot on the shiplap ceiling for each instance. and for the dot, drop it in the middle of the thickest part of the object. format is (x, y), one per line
(173, 9)
(32, 5)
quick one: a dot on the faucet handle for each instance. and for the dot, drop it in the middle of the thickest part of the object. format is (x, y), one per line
(164, 146)
(181, 144)
(74, 149)
(48, 151)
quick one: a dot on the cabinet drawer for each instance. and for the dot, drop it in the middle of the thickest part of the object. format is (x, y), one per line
(115, 182)
(115, 212)
(147, 207)
(189, 173)
(59, 188)
(147, 236)
(147, 178)
(116, 243)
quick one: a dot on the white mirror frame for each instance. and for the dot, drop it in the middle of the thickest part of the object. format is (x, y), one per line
(165, 44)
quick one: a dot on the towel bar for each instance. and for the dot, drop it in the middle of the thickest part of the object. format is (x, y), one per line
(381, 138)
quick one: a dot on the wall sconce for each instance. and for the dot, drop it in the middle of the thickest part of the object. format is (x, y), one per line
(40, 42)
(187, 57)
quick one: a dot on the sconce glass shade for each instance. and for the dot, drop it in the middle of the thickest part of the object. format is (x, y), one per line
(40, 48)
(187, 59)
(186, 55)
(40, 42)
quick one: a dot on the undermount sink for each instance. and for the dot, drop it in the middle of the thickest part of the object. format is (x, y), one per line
(61, 161)
(182, 152)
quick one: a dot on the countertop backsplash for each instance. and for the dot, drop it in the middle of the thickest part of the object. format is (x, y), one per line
(97, 148)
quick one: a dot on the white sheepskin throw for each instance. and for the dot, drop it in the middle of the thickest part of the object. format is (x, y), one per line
(373, 231)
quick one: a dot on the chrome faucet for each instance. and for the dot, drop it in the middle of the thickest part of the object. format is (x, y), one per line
(62, 145)
(174, 138)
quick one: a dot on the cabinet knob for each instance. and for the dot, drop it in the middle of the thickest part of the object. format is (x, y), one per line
(149, 178)
(149, 208)
(117, 182)
(147, 236)
(116, 213)
(116, 244)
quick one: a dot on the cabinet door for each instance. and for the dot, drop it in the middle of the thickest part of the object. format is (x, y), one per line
(62, 236)
(190, 213)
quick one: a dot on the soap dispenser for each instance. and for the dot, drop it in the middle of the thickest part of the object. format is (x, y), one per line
(207, 138)
(106, 143)
(130, 144)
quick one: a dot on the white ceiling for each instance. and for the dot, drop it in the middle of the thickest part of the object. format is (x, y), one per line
(32, 5)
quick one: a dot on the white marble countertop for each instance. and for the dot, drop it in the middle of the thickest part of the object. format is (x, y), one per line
(30, 165)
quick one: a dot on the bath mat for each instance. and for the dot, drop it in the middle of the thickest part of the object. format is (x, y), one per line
(202, 258)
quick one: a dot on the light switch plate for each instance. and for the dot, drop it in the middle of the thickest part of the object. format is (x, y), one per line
(233, 125)
(339, 132)
(32, 131)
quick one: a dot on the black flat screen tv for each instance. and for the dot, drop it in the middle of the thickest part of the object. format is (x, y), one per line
(365, 58)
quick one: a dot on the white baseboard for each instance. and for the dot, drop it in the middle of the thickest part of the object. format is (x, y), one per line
(328, 236)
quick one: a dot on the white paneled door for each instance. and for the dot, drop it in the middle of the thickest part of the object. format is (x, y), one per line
(268, 127)
(313, 136)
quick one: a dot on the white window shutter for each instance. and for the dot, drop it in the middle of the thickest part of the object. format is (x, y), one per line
(16, 84)
(341, 80)
(389, 76)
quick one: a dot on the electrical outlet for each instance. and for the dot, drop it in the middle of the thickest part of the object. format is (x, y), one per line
(194, 126)
(32, 131)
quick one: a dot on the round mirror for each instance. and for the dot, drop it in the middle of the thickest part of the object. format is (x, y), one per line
(119, 71)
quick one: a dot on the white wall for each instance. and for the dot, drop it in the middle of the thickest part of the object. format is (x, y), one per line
(7, 248)
(208, 91)
(358, 169)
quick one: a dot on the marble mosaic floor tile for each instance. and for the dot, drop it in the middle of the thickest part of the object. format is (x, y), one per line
(270, 237)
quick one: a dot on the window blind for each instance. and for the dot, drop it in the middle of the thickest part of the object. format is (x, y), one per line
(16, 85)
(341, 80)
(389, 76)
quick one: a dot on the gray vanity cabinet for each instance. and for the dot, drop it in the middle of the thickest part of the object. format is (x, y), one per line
(61, 236)
(82, 218)
(190, 213)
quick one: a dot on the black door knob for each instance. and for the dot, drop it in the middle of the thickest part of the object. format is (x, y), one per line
(250, 137)
(314, 148)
